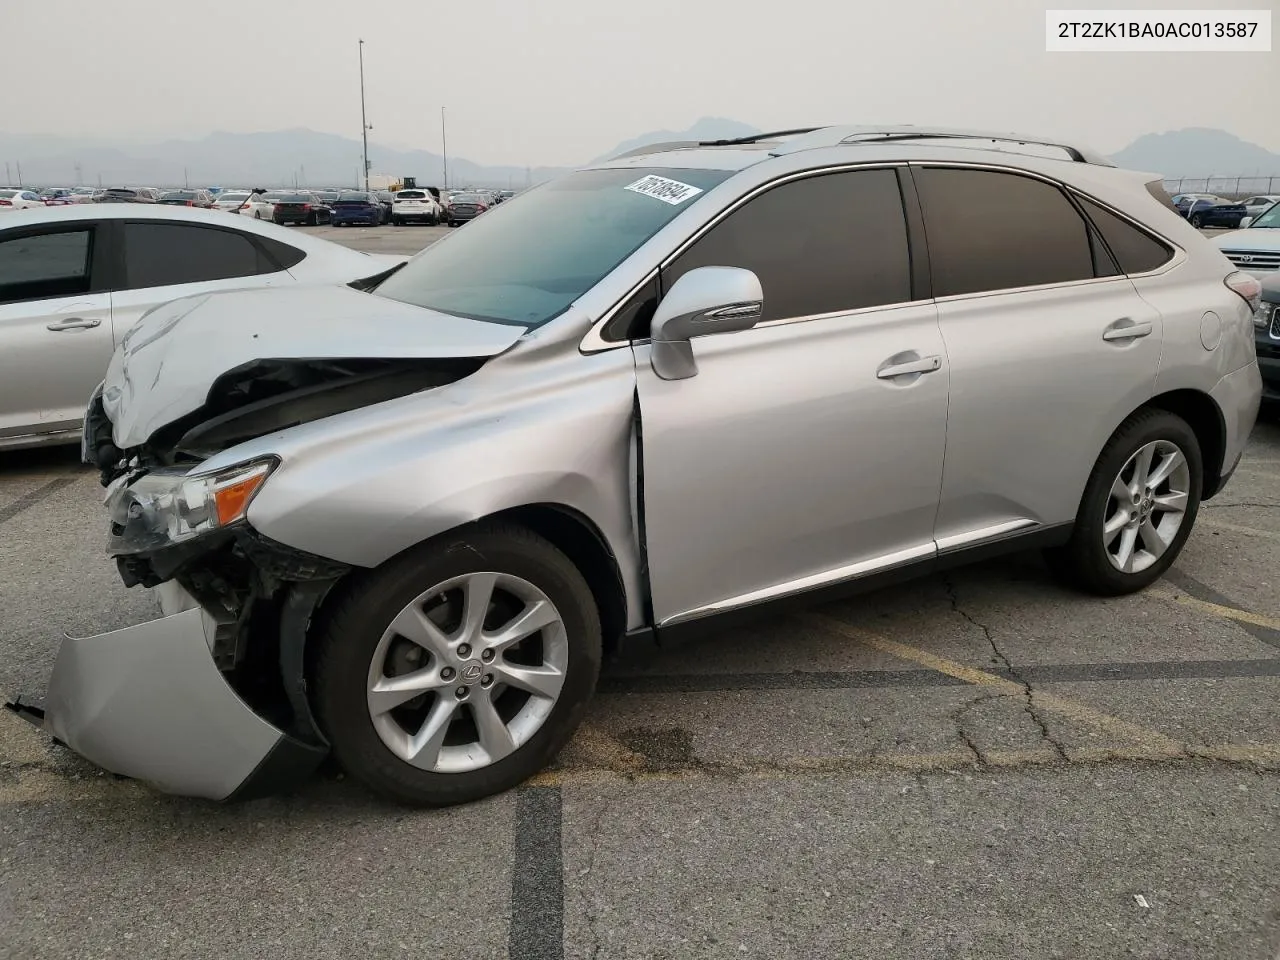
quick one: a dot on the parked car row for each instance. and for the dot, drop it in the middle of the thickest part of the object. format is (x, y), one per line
(1208, 210)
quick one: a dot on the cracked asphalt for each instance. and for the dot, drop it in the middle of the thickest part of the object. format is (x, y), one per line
(981, 765)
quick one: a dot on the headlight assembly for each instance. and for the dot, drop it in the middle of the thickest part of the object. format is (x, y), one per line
(165, 507)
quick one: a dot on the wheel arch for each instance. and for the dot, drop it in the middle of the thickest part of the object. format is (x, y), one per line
(1206, 421)
(567, 529)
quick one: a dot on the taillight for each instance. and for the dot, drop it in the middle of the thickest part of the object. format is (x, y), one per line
(306, 207)
(1249, 288)
(6, 203)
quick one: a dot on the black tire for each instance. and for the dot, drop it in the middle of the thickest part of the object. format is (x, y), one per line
(1083, 561)
(397, 222)
(1197, 221)
(348, 636)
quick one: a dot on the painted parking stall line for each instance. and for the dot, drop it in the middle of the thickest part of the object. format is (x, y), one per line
(537, 876)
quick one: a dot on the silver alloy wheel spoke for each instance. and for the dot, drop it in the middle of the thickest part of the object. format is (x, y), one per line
(1173, 459)
(495, 738)
(1152, 539)
(413, 624)
(1120, 490)
(529, 621)
(539, 681)
(1124, 555)
(1115, 524)
(1141, 469)
(424, 746)
(390, 692)
(477, 594)
(1171, 502)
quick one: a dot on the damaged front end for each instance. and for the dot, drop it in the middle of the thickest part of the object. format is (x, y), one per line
(210, 700)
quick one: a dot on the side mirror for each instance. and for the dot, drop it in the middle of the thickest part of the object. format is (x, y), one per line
(704, 301)
(1245, 221)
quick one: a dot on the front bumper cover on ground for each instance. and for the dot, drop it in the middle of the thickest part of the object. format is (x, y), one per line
(147, 702)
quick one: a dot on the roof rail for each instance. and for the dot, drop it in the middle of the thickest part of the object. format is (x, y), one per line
(656, 148)
(757, 137)
(834, 136)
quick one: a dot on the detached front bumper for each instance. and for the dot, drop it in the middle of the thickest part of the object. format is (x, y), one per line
(148, 702)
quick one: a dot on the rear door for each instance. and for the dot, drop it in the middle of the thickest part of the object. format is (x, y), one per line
(1051, 347)
(55, 325)
(164, 260)
(809, 449)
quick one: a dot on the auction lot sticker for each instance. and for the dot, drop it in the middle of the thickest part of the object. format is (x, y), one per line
(1158, 31)
(668, 191)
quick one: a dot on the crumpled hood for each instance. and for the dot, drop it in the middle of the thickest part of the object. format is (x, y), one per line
(165, 365)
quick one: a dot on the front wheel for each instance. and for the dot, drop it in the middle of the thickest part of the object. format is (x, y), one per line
(1138, 507)
(459, 670)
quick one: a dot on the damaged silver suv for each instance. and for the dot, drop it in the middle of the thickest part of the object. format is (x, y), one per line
(405, 524)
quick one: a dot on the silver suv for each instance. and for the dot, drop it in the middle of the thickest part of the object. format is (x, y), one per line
(405, 524)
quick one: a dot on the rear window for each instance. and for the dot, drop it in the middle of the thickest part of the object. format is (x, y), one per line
(181, 195)
(296, 198)
(361, 197)
(233, 198)
(8, 193)
(411, 195)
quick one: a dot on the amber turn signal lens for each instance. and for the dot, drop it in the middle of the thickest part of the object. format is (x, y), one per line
(233, 499)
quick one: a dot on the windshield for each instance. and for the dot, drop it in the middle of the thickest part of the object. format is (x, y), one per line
(527, 260)
(1269, 218)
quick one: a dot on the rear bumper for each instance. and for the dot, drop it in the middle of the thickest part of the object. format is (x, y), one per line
(148, 702)
(364, 216)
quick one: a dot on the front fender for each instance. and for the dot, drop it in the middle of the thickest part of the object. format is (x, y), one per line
(365, 485)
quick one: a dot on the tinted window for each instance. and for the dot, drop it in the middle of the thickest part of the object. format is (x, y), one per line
(360, 197)
(159, 254)
(1135, 250)
(819, 245)
(45, 265)
(998, 231)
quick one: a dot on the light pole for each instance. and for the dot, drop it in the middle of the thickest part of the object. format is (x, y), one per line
(364, 123)
(444, 146)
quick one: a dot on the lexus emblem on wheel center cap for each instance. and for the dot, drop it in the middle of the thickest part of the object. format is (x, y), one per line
(471, 672)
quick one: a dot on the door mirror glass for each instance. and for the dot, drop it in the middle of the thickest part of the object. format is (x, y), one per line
(703, 301)
(1245, 222)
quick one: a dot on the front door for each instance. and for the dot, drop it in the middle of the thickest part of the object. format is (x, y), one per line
(800, 453)
(55, 327)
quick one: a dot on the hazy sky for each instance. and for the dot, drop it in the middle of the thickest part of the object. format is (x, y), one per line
(561, 81)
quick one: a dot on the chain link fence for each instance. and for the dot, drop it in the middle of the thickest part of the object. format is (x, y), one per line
(1228, 187)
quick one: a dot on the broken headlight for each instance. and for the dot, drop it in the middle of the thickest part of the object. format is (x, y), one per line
(164, 507)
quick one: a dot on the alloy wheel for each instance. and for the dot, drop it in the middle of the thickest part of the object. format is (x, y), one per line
(467, 672)
(1147, 506)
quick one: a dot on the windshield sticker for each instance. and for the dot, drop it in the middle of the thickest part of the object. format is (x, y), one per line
(668, 191)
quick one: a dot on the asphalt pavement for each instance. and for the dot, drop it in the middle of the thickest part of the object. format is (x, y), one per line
(981, 765)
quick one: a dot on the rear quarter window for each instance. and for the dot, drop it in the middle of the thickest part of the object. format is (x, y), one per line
(1135, 250)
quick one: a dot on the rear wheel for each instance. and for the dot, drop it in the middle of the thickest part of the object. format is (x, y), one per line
(459, 670)
(1138, 507)
(1197, 220)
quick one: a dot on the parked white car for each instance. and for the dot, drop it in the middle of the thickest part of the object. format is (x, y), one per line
(232, 201)
(416, 206)
(11, 199)
(262, 206)
(74, 279)
(1255, 249)
(1257, 206)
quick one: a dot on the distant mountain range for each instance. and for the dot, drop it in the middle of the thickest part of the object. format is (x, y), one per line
(326, 159)
(242, 159)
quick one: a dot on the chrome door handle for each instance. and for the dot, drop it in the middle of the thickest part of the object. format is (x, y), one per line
(74, 323)
(1124, 330)
(923, 365)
